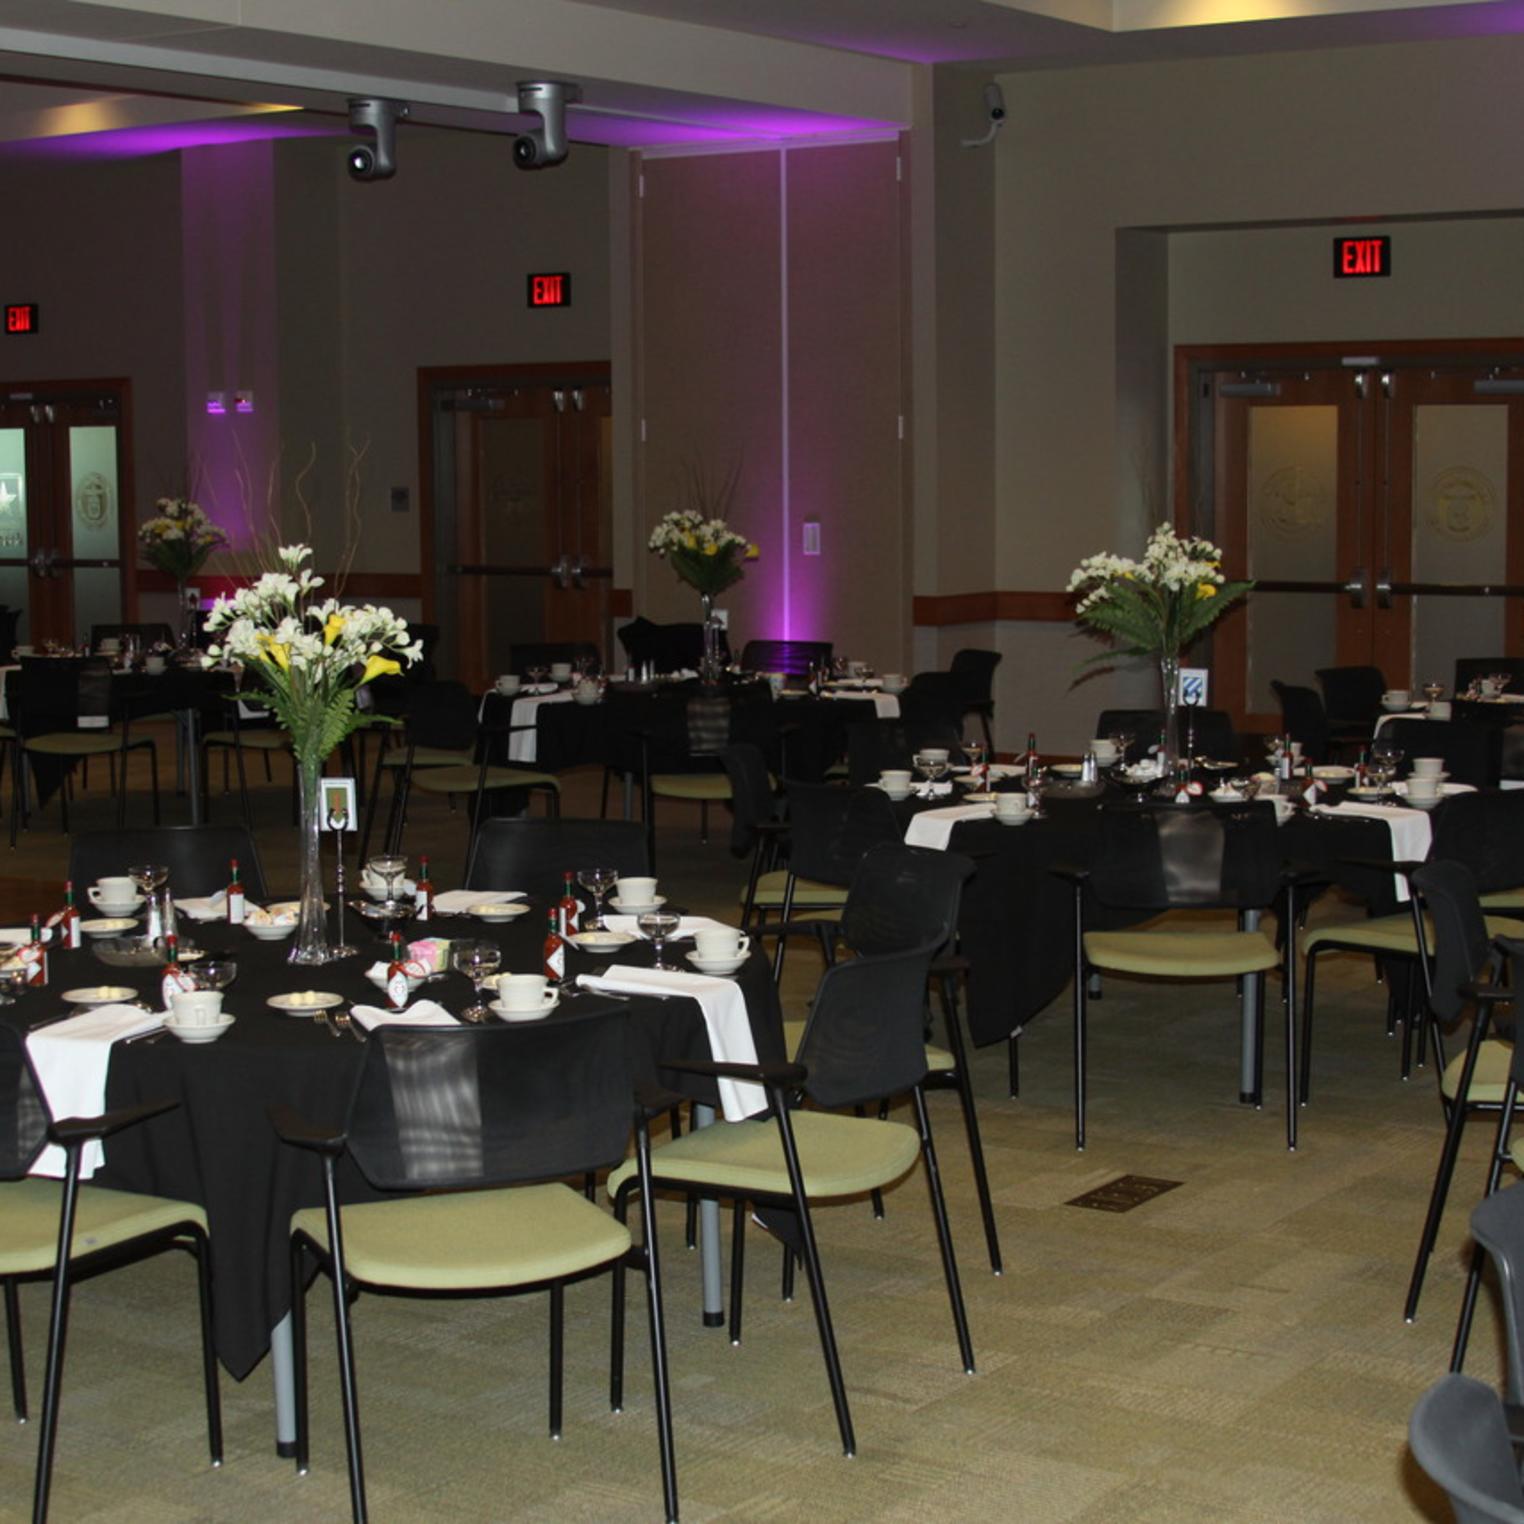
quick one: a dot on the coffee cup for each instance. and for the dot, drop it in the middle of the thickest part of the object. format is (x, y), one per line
(1423, 788)
(508, 684)
(560, 671)
(1396, 698)
(857, 668)
(1439, 709)
(635, 891)
(1489, 687)
(895, 781)
(524, 992)
(1011, 806)
(1428, 767)
(153, 665)
(196, 1008)
(715, 943)
(587, 691)
(895, 682)
(777, 681)
(114, 894)
(1104, 752)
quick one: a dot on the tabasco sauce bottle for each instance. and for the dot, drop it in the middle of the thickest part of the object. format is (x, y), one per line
(237, 900)
(555, 951)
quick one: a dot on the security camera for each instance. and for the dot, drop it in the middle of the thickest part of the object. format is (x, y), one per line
(546, 99)
(994, 102)
(375, 160)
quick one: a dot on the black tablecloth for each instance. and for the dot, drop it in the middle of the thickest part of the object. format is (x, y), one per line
(218, 1147)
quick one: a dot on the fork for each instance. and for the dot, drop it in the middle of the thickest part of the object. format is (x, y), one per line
(346, 1023)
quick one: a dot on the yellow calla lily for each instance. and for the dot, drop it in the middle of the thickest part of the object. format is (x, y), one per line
(379, 666)
(1206, 589)
(752, 552)
(275, 652)
(333, 629)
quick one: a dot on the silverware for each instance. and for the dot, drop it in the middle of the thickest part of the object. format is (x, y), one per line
(345, 1022)
(145, 1037)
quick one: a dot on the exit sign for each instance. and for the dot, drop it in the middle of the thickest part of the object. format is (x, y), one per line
(1361, 258)
(21, 317)
(550, 290)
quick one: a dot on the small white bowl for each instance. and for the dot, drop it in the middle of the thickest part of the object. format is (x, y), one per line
(495, 910)
(716, 966)
(601, 941)
(270, 931)
(108, 926)
(199, 1032)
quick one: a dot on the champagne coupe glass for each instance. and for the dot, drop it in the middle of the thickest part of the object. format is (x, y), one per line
(478, 961)
(1122, 740)
(934, 768)
(148, 877)
(598, 882)
(1385, 758)
(537, 675)
(213, 973)
(389, 867)
(656, 926)
(1434, 691)
(13, 977)
(974, 751)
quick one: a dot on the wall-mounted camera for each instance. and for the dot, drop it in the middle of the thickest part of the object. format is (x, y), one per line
(994, 114)
(376, 159)
(548, 100)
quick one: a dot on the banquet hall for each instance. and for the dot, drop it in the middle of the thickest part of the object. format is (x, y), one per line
(928, 301)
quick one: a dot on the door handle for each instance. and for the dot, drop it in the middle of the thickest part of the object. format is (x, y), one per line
(1384, 588)
(1356, 588)
(576, 572)
(561, 572)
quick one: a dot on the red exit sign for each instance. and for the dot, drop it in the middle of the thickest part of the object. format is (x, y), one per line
(21, 317)
(1361, 258)
(550, 290)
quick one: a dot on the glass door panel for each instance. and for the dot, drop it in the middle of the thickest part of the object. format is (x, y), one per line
(13, 525)
(94, 526)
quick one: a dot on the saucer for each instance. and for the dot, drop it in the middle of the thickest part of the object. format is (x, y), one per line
(625, 909)
(200, 1032)
(304, 1002)
(108, 926)
(601, 941)
(99, 994)
(493, 911)
(716, 966)
(534, 1014)
(1014, 820)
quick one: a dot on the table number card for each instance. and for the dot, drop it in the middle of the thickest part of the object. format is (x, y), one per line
(339, 804)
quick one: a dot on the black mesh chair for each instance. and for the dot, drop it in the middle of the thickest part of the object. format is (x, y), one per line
(975, 671)
(1459, 1435)
(795, 658)
(1352, 699)
(454, 1117)
(1485, 830)
(532, 855)
(1185, 857)
(1469, 668)
(864, 1040)
(1304, 719)
(1473, 753)
(1497, 1225)
(197, 857)
(931, 710)
(105, 1229)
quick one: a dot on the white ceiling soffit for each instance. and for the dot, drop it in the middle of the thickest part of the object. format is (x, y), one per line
(1153, 15)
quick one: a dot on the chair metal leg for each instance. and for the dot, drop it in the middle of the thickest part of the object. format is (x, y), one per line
(1079, 1055)
(1304, 1082)
(616, 1310)
(557, 1323)
(1288, 975)
(944, 1231)
(201, 1249)
(1478, 1254)
(1013, 1064)
(875, 1196)
(661, 1379)
(737, 1266)
(57, 1332)
(13, 1341)
(784, 916)
(955, 1042)
(343, 1334)
(299, 1351)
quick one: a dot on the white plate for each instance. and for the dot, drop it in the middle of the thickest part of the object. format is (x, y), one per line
(624, 909)
(716, 966)
(982, 798)
(1066, 769)
(108, 926)
(601, 941)
(503, 1014)
(99, 994)
(304, 1002)
(197, 1034)
(493, 911)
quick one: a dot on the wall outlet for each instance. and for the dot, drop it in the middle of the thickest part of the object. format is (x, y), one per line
(400, 499)
(811, 537)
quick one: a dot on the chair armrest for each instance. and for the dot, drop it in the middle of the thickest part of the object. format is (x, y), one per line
(1488, 994)
(653, 1100)
(1070, 873)
(1381, 864)
(67, 1130)
(293, 1128)
(759, 1074)
(1512, 947)
(1297, 874)
(950, 963)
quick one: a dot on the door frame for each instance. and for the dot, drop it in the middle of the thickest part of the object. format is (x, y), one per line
(1193, 362)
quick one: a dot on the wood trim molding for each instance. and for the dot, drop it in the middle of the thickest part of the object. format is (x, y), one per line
(988, 607)
(355, 585)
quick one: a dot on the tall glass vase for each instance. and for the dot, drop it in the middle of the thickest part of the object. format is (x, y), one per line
(1169, 740)
(310, 944)
(712, 662)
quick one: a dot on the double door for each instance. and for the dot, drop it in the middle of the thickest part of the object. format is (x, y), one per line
(1376, 499)
(66, 523)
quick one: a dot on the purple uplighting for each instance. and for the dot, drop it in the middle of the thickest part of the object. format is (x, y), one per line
(167, 137)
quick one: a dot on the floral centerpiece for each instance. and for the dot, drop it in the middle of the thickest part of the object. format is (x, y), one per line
(309, 655)
(1155, 607)
(177, 541)
(709, 556)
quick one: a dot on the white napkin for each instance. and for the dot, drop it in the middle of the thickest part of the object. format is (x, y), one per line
(522, 743)
(71, 1058)
(1401, 787)
(724, 1008)
(211, 907)
(686, 925)
(885, 705)
(934, 828)
(1411, 832)
(454, 901)
(426, 1013)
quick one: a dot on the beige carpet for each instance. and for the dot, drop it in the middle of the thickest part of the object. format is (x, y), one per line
(1233, 1350)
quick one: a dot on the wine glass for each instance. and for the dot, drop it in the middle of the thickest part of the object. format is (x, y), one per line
(13, 977)
(478, 961)
(656, 926)
(1385, 756)
(389, 867)
(598, 882)
(974, 751)
(934, 766)
(537, 675)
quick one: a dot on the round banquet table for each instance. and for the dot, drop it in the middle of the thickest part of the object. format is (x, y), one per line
(218, 1148)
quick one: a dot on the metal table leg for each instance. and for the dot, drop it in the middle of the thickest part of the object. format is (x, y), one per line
(1249, 997)
(709, 1242)
(283, 1374)
(188, 719)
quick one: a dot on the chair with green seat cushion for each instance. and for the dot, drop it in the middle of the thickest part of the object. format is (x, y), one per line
(1159, 857)
(104, 1228)
(863, 1041)
(237, 724)
(471, 1130)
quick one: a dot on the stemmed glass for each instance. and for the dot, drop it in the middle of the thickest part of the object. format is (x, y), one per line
(478, 961)
(1385, 758)
(656, 926)
(13, 976)
(598, 882)
(148, 877)
(213, 973)
(1434, 691)
(1036, 778)
(974, 751)
(1122, 740)
(389, 867)
(537, 675)
(934, 767)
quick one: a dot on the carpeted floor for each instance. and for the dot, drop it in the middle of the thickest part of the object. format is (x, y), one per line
(1232, 1350)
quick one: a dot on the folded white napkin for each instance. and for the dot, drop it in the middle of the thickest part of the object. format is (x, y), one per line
(71, 1058)
(724, 1008)
(1410, 830)
(426, 1013)
(454, 901)
(211, 907)
(934, 828)
(523, 742)
(686, 925)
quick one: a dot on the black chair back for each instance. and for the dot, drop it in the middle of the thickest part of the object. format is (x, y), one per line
(23, 1110)
(1303, 719)
(832, 829)
(668, 647)
(53, 694)
(532, 855)
(1473, 753)
(931, 710)
(442, 714)
(1459, 1435)
(1485, 831)
(457, 1107)
(1462, 951)
(975, 671)
(1497, 1224)
(1211, 728)
(902, 897)
(197, 857)
(1176, 857)
(752, 801)
(1352, 696)
(1469, 668)
(794, 657)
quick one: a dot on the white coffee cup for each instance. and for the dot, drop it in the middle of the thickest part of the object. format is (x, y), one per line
(110, 645)
(935, 753)
(1440, 709)
(857, 668)
(1296, 751)
(1104, 752)
(196, 1008)
(524, 992)
(717, 942)
(1397, 698)
(1428, 767)
(895, 682)
(114, 892)
(508, 684)
(1009, 806)
(895, 781)
(560, 670)
(1423, 788)
(153, 665)
(1488, 687)
(635, 891)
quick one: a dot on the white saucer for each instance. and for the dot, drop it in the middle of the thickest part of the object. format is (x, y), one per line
(304, 1002)
(716, 966)
(494, 911)
(199, 1033)
(108, 926)
(624, 909)
(503, 1014)
(99, 994)
(601, 941)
